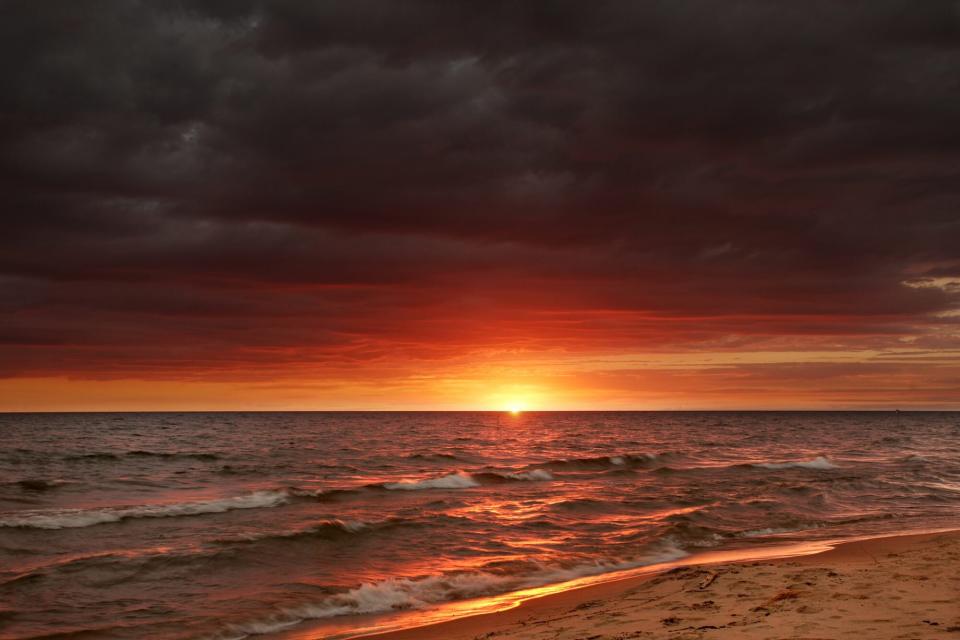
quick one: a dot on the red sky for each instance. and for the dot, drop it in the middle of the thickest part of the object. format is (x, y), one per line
(297, 205)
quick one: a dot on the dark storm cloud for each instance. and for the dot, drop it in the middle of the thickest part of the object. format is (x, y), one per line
(784, 166)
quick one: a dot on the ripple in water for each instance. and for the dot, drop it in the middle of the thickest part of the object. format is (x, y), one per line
(147, 522)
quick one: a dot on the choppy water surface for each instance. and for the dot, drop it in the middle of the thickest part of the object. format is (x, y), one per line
(233, 525)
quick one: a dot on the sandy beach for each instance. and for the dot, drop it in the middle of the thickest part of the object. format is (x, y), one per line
(894, 587)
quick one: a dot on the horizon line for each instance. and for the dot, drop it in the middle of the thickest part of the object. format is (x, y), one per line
(502, 411)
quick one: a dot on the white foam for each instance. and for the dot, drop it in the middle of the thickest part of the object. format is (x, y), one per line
(397, 594)
(353, 526)
(534, 475)
(76, 518)
(463, 480)
(273, 624)
(457, 480)
(771, 531)
(817, 463)
(618, 460)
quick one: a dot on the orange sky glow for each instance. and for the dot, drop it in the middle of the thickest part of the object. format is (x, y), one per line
(557, 367)
(556, 215)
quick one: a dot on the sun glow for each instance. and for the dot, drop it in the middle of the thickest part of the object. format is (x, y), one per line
(515, 407)
(514, 399)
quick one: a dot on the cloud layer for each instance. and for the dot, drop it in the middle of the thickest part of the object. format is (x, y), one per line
(366, 195)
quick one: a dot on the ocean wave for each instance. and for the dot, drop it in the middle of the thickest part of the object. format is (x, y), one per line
(498, 477)
(328, 529)
(38, 484)
(241, 548)
(535, 475)
(127, 565)
(602, 462)
(140, 453)
(108, 456)
(584, 504)
(77, 518)
(92, 456)
(433, 456)
(465, 480)
(398, 594)
(683, 533)
(819, 463)
(457, 480)
(330, 495)
(772, 531)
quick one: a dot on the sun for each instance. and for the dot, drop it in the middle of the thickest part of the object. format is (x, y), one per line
(515, 399)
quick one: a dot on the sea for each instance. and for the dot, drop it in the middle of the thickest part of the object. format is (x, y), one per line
(223, 526)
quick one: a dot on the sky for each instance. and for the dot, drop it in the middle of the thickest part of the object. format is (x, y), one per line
(447, 204)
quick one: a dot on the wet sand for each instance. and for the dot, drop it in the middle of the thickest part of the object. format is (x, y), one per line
(895, 587)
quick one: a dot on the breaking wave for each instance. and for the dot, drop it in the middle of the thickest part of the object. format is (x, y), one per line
(464, 480)
(453, 481)
(820, 463)
(398, 594)
(603, 462)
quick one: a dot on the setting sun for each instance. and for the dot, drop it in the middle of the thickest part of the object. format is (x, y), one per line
(515, 406)
(516, 398)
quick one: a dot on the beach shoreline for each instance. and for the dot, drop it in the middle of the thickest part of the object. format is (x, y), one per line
(894, 586)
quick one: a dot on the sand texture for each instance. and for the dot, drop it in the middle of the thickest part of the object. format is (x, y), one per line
(900, 587)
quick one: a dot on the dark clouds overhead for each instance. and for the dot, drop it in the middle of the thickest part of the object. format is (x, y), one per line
(390, 176)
